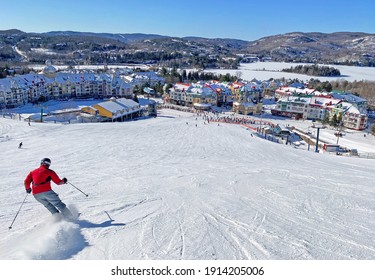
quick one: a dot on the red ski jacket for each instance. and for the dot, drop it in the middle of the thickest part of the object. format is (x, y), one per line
(41, 179)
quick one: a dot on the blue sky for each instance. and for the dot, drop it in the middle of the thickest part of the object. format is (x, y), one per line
(246, 19)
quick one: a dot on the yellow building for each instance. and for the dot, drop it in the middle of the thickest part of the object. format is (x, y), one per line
(118, 109)
(90, 110)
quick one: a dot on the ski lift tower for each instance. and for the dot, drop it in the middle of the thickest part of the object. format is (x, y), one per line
(318, 127)
(41, 111)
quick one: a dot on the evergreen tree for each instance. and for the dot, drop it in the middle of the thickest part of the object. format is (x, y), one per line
(136, 89)
(333, 121)
(135, 98)
(325, 118)
(327, 86)
(339, 119)
(174, 72)
(164, 71)
(184, 75)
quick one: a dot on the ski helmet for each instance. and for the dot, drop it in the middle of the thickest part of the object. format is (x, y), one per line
(45, 161)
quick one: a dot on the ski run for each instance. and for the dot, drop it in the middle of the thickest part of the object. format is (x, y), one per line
(174, 188)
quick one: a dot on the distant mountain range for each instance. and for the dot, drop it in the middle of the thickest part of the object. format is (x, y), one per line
(126, 38)
(349, 48)
(339, 47)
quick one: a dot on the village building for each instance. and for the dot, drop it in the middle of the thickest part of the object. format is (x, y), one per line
(149, 91)
(52, 84)
(120, 109)
(90, 110)
(141, 78)
(356, 101)
(247, 108)
(148, 107)
(292, 106)
(191, 94)
(323, 107)
(294, 89)
(245, 98)
(281, 130)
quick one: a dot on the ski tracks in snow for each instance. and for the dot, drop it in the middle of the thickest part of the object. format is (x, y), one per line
(222, 235)
(163, 236)
(239, 238)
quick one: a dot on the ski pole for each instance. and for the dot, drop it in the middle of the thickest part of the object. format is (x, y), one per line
(78, 189)
(10, 227)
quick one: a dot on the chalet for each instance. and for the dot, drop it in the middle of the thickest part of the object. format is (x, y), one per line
(281, 130)
(118, 109)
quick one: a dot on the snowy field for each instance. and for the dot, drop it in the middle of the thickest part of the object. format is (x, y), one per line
(256, 70)
(166, 189)
(268, 70)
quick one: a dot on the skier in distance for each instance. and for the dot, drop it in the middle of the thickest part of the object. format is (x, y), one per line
(41, 188)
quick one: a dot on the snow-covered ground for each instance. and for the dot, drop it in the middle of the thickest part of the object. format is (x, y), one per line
(172, 188)
(256, 70)
(268, 70)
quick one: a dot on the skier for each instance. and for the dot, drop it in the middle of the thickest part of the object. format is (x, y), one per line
(20, 145)
(41, 180)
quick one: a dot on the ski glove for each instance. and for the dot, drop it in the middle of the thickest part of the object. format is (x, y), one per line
(65, 180)
(28, 190)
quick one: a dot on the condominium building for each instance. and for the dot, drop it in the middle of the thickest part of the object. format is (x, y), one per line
(51, 84)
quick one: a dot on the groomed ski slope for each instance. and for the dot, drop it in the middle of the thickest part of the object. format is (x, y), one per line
(163, 188)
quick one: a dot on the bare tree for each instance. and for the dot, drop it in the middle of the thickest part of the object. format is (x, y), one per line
(239, 74)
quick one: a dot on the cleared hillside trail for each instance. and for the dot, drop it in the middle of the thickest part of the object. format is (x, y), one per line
(167, 189)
